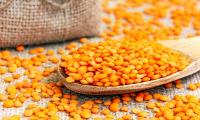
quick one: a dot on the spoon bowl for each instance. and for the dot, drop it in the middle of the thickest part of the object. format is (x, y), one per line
(190, 47)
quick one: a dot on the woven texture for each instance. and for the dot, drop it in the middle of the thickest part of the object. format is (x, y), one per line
(42, 21)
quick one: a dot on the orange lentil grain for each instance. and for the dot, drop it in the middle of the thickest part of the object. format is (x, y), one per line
(16, 76)
(8, 79)
(192, 87)
(124, 109)
(20, 48)
(8, 103)
(17, 103)
(126, 117)
(114, 107)
(179, 86)
(168, 85)
(83, 40)
(105, 111)
(28, 113)
(85, 113)
(2, 97)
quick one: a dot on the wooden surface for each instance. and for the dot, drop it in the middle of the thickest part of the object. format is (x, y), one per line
(189, 47)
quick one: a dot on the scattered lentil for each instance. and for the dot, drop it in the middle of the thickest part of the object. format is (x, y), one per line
(192, 86)
(20, 48)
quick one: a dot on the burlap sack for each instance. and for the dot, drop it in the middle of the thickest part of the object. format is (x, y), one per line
(41, 21)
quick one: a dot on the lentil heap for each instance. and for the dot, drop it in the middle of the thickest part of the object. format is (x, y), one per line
(121, 62)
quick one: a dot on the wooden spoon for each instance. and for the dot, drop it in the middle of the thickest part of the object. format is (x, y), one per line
(189, 47)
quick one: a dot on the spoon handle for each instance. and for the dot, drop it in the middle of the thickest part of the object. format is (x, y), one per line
(188, 46)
